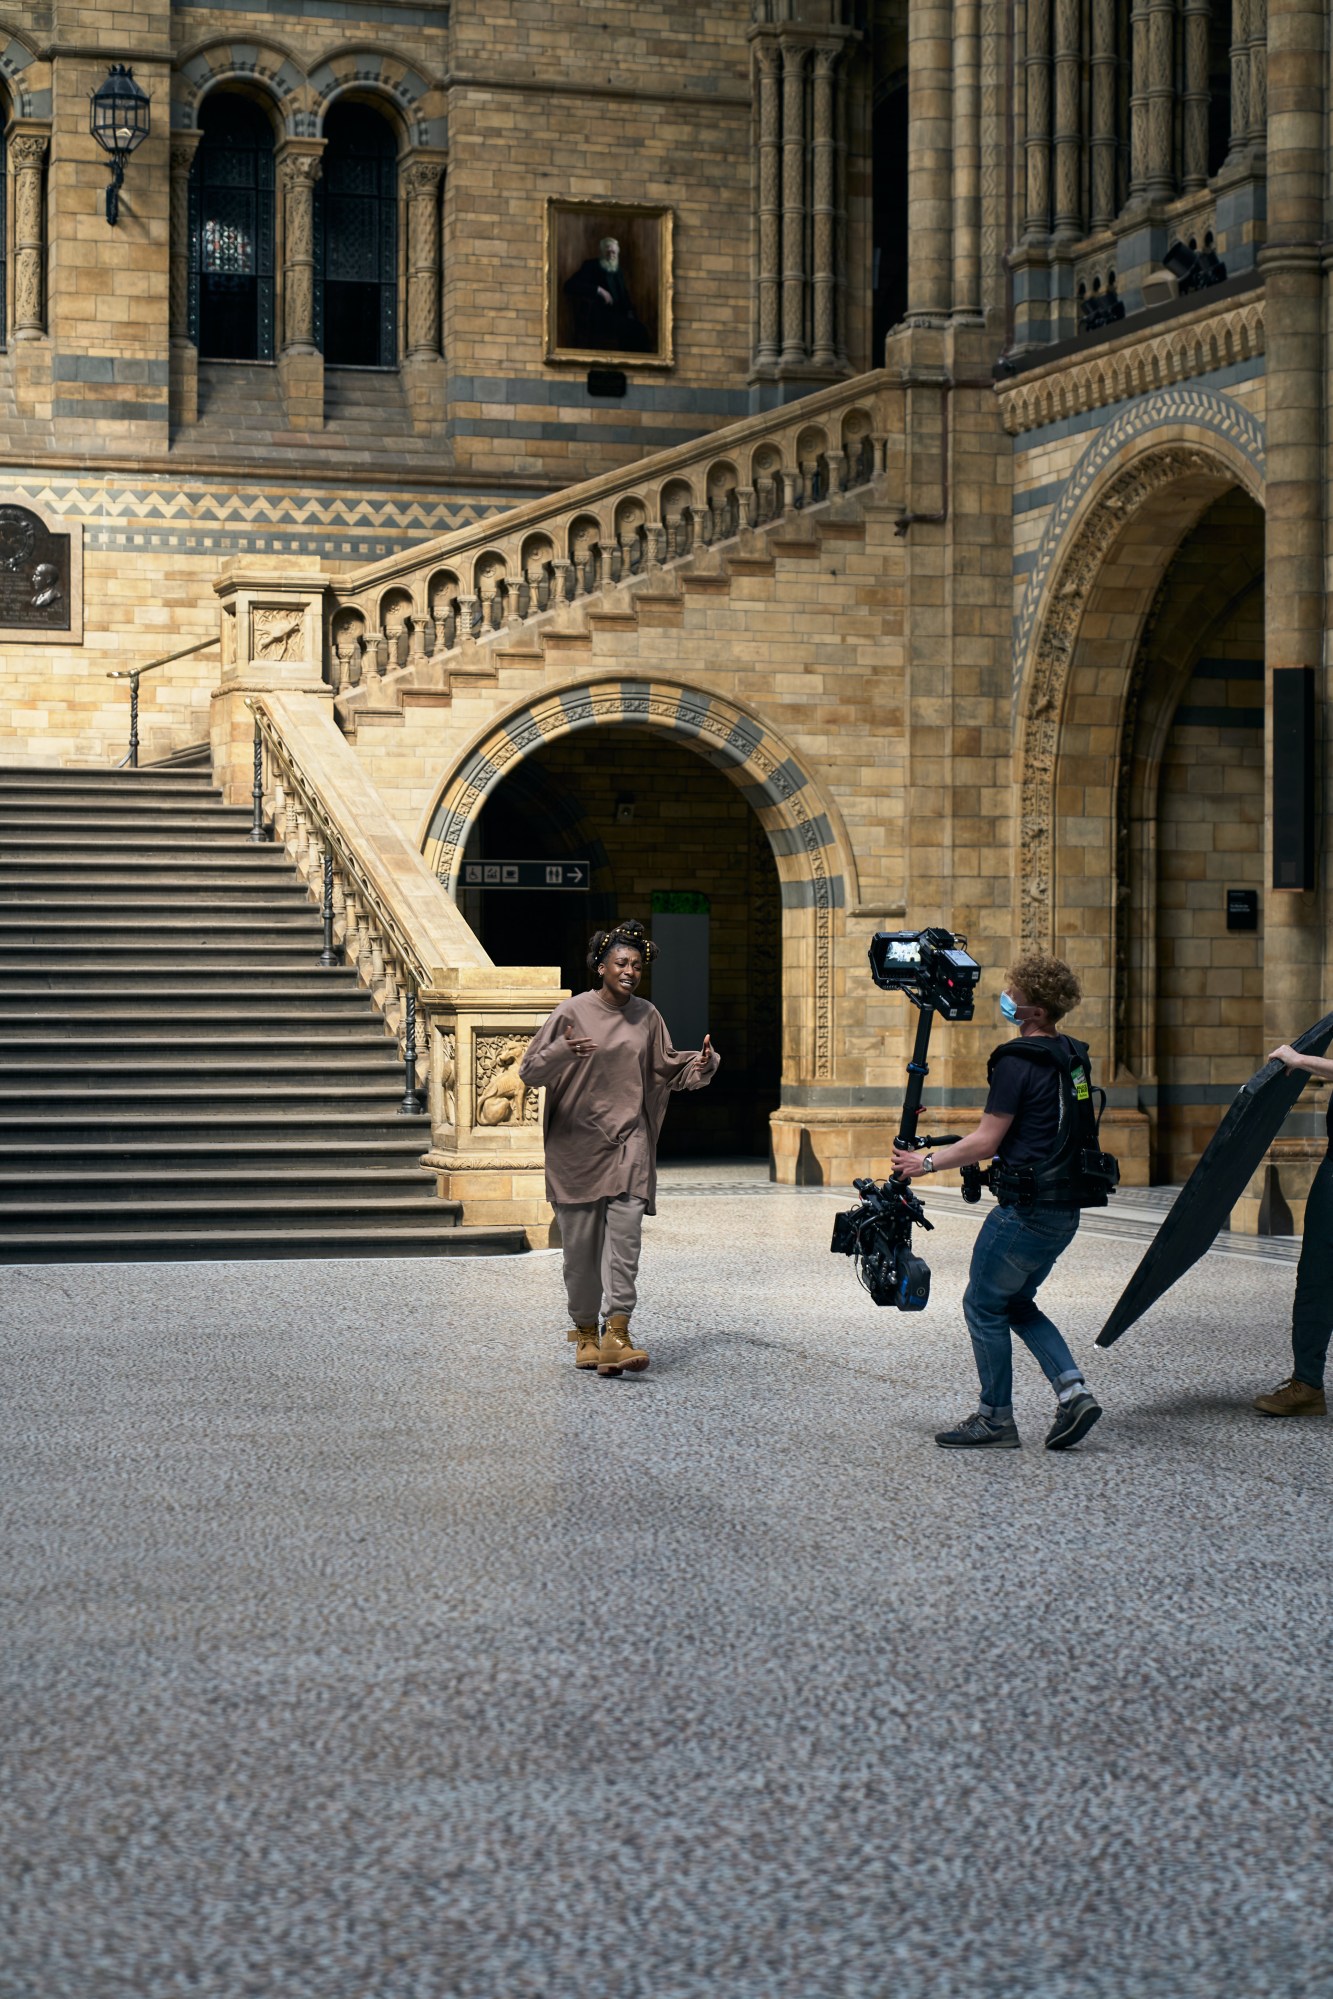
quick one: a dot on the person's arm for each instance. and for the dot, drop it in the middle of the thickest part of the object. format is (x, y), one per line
(552, 1048)
(1314, 1065)
(702, 1068)
(983, 1143)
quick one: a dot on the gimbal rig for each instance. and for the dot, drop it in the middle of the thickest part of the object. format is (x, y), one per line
(936, 974)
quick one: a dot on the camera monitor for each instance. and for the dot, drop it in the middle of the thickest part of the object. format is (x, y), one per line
(930, 966)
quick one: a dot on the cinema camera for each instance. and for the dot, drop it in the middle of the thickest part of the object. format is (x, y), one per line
(936, 974)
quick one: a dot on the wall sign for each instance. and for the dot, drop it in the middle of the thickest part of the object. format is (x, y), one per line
(41, 575)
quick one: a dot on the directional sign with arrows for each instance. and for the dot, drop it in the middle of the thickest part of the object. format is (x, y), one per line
(526, 874)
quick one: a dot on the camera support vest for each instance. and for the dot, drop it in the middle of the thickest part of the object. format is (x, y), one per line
(1078, 1173)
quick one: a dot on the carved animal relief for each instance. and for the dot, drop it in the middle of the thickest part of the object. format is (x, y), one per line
(499, 1092)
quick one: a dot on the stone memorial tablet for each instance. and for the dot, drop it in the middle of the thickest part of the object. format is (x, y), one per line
(40, 575)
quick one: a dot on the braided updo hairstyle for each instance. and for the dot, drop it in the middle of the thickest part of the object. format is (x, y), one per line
(629, 932)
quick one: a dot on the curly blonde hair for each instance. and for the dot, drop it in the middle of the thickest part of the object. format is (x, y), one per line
(1047, 983)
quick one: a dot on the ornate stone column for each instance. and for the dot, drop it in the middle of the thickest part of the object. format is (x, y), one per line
(1156, 95)
(1068, 147)
(184, 355)
(794, 57)
(421, 182)
(423, 368)
(1102, 159)
(1240, 79)
(1194, 120)
(768, 77)
(967, 160)
(300, 363)
(823, 207)
(1037, 140)
(929, 164)
(27, 151)
(1258, 68)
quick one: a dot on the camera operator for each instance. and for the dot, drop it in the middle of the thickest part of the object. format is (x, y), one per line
(1026, 1130)
(1302, 1393)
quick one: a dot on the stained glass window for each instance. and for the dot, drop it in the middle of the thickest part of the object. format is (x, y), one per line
(231, 231)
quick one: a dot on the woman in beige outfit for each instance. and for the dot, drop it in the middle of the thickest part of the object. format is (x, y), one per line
(606, 1063)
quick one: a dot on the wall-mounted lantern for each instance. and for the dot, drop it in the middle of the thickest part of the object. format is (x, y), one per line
(118, 118)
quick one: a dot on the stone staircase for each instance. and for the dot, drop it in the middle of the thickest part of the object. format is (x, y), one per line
(180, 1078)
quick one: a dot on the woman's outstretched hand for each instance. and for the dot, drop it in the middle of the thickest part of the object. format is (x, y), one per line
(579, 1044)
(704, 1059)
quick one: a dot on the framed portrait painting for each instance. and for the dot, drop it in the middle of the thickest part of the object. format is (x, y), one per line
(608, 283)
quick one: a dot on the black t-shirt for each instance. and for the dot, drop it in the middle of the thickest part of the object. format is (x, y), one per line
(1029, 1092)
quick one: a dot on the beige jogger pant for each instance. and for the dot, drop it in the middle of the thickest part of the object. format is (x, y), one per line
(602, 1241)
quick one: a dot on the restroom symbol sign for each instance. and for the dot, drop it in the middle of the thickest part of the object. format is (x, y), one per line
(526, 874)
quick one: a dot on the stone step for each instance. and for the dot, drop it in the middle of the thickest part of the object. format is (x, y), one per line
(330, 1150)
(194, 948)
(112, 1094)
(155, 928)
(164, 1128)
(131, 1180)
(148, 779)
(16, 802)
(222, 1245)
(84, 1212)
(164, 871)
(246, 1036)
(71, 894)
(38, 825)
(295, 998)
(129, 1072)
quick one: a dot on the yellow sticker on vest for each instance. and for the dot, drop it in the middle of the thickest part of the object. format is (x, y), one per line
(1081, 1090)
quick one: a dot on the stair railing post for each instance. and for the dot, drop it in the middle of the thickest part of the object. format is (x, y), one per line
(412, 1104)
(133, 758)
(258, 834)
(328, 956)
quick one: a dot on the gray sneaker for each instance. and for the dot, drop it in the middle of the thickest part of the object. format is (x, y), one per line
(1073, 1419)
(980, 1433)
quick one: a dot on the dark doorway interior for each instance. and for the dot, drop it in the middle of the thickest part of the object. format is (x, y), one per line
(663, 832)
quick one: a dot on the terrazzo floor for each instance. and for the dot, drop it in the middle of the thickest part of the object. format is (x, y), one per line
(356, 1648)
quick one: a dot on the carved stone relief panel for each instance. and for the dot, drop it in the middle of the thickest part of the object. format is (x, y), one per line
(499, 1092)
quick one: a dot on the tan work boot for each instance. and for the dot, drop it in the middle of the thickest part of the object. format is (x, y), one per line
(1292, 1398)
(618, 1355)
(588, 1345)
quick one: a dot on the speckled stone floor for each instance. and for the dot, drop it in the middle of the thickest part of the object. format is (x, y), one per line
(356, 1648)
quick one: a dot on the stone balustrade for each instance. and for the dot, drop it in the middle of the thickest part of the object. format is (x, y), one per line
(626, 527)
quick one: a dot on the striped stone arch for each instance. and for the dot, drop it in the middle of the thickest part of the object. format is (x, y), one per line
(232, 60)
(27, 81)
(382, 72)
(813, 860)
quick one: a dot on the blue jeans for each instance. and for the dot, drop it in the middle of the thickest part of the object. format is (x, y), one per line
(1015, 1251)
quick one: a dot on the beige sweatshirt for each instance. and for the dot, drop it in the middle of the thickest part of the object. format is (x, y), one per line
(604, 1111)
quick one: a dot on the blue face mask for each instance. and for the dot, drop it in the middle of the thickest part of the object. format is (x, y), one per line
(1008, 1007)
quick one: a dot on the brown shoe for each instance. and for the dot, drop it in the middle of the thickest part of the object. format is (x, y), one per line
(1292, 1398)
(618, 1355)
(588, 1345)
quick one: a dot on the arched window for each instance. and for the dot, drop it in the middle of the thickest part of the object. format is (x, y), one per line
(231, 232)
(356, 240)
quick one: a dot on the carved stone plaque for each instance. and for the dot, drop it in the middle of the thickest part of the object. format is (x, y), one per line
(37, 574)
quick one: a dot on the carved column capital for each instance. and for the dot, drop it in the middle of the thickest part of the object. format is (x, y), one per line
(421, 179)
(28, 150)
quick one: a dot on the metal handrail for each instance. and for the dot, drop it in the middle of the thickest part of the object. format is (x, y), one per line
(134, 674)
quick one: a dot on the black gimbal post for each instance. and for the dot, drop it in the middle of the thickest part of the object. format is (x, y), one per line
(917, 1071)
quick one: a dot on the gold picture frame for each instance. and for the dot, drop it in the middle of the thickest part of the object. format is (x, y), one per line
(588, 323)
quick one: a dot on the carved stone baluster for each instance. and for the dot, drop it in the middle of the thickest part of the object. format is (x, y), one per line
(745, 503)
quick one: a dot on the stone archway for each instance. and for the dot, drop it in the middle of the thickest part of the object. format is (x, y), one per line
(1134, 495)
(814, 861)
